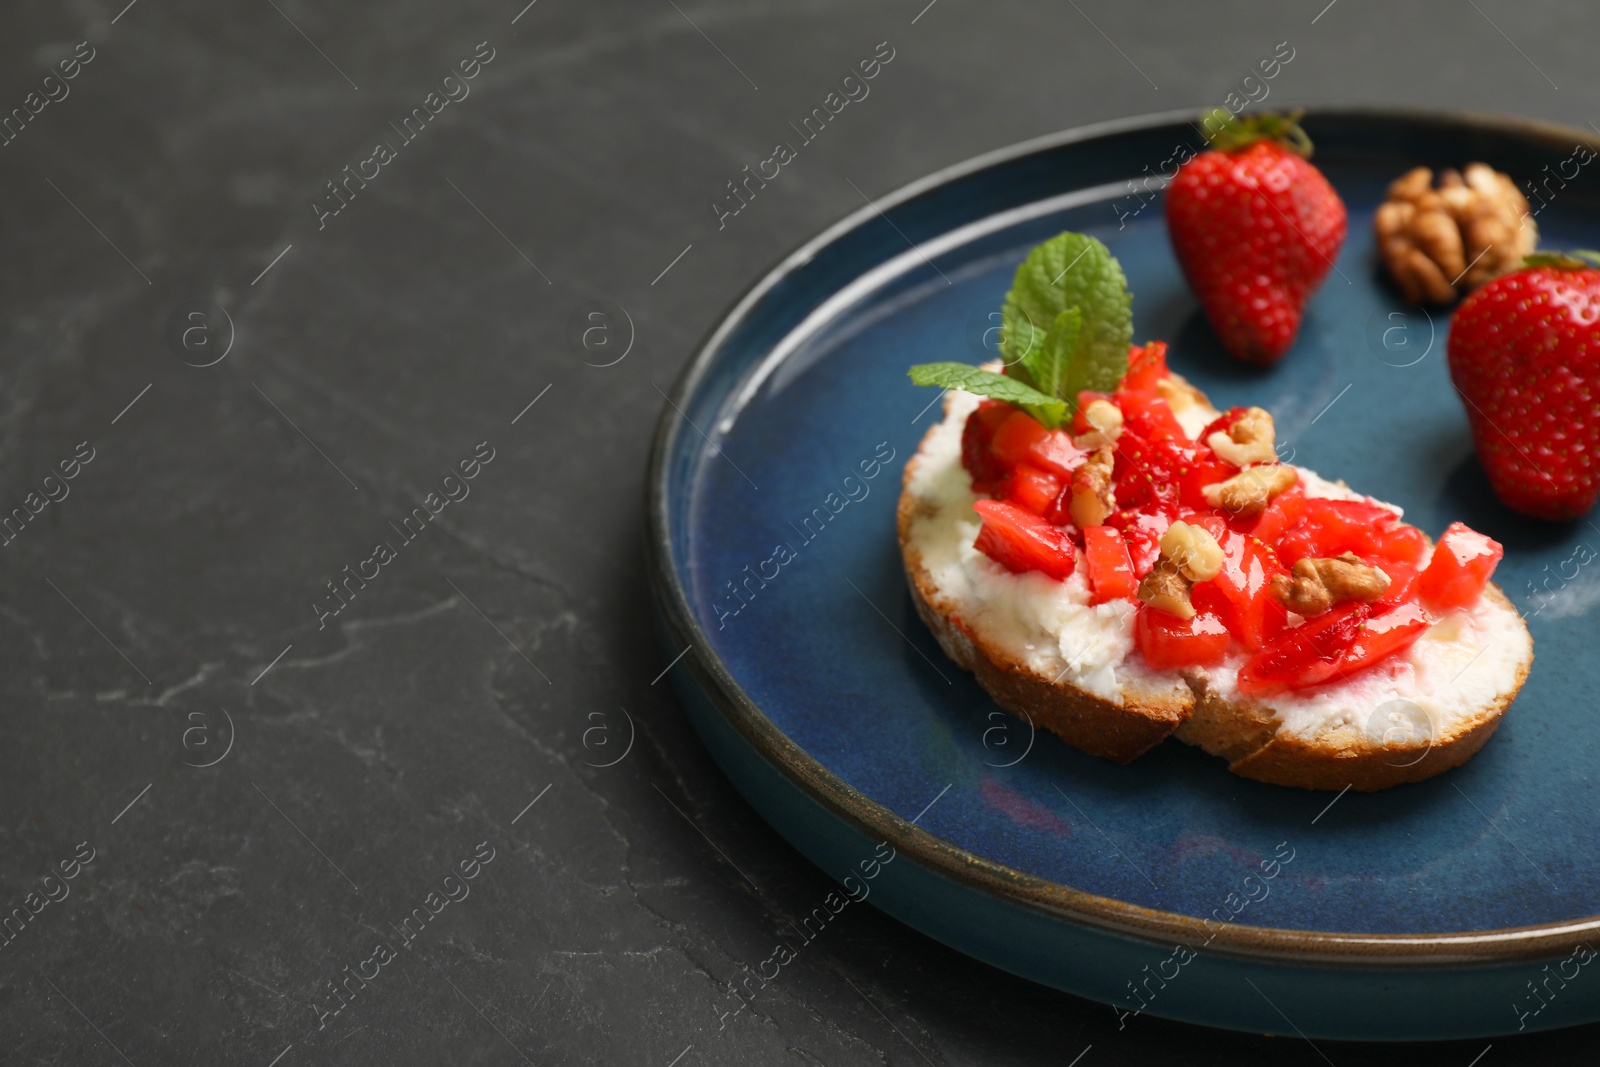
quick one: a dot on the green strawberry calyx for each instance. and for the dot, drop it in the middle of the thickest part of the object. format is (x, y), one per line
(1576, 259)
(1231, 133)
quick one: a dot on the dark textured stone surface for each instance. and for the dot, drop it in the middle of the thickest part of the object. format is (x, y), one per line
(485, 664)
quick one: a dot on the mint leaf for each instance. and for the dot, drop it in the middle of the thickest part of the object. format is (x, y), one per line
(1051, 360)
(1071, 270)
(1047, 409)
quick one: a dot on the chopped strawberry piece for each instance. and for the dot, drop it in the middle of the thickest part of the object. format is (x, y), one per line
(1402, 584)
(1147, 365)
(1142, 531)
(1168, 642)
(1286, 509)
(1022, 541)
(1381, 637)
(991, 413)
(1147, 472)
(1400, 542)
(1015, 437)
(1461, 565)
(1059, 513)
(1148, 415)
(1056, 453)
(1254, 623)
(980, 463)
(1110, 568)
(1029, 487)
(1239, 593)
(1331, 527)
(1307, 655)
(1206, 469)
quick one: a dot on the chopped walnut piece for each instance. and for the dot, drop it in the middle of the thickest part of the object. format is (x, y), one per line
(1091, 489)
(1106, 418)
(1105, 425)
(1248, 492)
(1189, 554)
(1249, 440)
(1319, 584)
(1167, 589)
(1193, 551)
(1439, 243)
(1177, 392)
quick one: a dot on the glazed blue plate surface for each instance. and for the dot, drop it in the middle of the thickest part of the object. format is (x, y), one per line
(774, 490)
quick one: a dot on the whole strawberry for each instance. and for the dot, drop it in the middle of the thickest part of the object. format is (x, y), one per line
(1256, 228)
(1525, 356)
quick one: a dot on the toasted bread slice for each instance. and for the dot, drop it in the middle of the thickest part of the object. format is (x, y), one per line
(1118, 726)
(1044, 653)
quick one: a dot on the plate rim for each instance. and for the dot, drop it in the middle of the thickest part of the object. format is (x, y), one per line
(1007, 884)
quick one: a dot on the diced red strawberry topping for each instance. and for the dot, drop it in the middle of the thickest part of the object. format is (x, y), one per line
(1402, 585)
(1203, 469)
(1142, 531)
(1147, 472)
(1029, 487)
(1110, 569)
(1239, 593)
(1330, 527)
(1149, 416)
(1147, 366)
(982, 464)
(1306, 655)
(1381, 637)
(1285, 510)
(1022, 541)
(1460, 568)
(1160, 474)
(1056, 453)
(1168, 642)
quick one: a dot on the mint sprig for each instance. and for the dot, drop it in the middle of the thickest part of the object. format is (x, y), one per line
(1065, 327)
(1047, 409)
(1049, 362)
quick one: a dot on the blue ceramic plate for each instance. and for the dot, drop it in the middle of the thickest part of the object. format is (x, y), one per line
(1460, 906)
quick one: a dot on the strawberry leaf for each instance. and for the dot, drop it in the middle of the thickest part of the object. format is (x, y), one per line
(1576, 259)
(1228, 133)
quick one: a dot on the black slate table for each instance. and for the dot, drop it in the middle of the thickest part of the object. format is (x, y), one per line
(336, 635)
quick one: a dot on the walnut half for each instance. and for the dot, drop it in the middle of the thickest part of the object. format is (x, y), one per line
(1249, 440)
(1439, 243)
(1248, 492)
(1319, 584)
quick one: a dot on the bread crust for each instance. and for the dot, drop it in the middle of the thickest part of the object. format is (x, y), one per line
(1243, 732)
